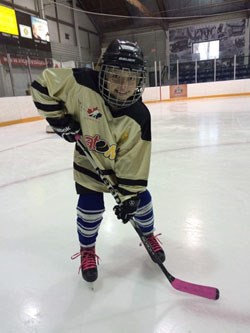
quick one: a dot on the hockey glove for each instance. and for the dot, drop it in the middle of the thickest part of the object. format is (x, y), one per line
(66, 127)
(127, 209)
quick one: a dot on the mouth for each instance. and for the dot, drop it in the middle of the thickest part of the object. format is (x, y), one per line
(122, 93)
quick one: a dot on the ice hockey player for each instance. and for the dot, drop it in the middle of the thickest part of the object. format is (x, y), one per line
(104, 107)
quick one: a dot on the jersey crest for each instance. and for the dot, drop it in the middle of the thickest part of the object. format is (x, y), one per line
(100, 146)
(94, 113)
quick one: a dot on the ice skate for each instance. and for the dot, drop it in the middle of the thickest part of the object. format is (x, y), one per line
(156, 247)
(88, 266)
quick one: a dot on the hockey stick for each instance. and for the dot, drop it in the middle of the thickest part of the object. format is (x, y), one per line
(180, 285)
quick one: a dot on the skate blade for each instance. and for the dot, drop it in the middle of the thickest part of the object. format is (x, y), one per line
(91, 286)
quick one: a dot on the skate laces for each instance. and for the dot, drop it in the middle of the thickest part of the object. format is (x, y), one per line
(154, 242)
(88, 259)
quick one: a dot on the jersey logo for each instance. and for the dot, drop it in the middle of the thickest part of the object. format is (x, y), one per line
(100, 146)
(94, 113)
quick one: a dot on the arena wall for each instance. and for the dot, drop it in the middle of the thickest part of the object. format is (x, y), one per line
(20, 109)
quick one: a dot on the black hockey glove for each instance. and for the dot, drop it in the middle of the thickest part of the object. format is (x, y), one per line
(66, 127)
(127, 209)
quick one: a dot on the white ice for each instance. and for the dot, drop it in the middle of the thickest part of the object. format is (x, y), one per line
(200, 183)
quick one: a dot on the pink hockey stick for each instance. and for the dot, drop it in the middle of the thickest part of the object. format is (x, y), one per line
(187, 287)
(196, 289)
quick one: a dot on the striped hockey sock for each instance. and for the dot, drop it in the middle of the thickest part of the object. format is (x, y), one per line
(144, 216)
(90, 210)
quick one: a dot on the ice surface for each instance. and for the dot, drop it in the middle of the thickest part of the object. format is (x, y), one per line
(200, 183)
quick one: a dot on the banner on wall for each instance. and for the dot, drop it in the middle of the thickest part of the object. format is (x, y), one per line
(231, 35)
(178, 91)
(24, 62)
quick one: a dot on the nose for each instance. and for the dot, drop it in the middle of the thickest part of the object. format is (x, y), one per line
(123, 84)
(123, 81)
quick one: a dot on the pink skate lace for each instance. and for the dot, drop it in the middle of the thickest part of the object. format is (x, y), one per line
(154, 242)
(88, 259)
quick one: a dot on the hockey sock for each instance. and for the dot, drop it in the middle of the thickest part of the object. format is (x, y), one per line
(90, 210)
(144, 215)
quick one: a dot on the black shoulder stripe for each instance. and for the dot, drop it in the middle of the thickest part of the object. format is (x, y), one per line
(87, 172)
(40, 88)
(86, 77)
(130, 182)
(139, 113)
(48, 107)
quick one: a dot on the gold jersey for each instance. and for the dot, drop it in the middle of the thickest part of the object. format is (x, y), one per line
(119, 140)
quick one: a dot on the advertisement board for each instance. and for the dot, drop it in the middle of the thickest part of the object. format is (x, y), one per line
(178, 91)
(8, 22)
(23, 30)
(9, 33)
(40, 29)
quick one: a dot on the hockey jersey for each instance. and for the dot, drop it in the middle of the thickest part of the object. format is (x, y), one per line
(119, 140)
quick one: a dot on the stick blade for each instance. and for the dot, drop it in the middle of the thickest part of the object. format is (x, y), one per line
(196, 289)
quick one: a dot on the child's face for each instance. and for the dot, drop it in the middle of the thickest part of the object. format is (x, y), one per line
(121, 83)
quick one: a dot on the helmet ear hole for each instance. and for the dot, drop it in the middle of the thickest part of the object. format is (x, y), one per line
(126, 57)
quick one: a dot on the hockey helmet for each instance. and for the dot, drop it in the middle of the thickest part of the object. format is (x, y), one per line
(126, 58)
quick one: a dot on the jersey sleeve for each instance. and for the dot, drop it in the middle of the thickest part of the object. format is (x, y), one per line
(50, 90)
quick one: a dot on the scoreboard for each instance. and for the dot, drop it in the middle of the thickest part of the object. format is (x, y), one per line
(23, 30)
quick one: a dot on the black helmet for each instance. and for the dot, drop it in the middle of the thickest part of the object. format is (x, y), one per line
(128, 57)
(124, 54)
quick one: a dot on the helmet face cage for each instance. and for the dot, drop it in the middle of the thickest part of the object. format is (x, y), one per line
(124, 73)
(126, 59)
